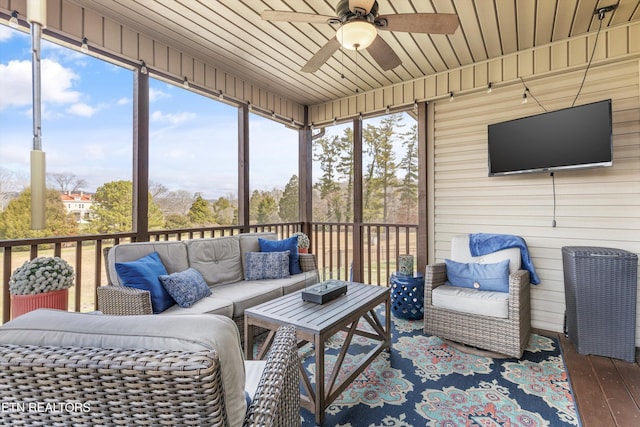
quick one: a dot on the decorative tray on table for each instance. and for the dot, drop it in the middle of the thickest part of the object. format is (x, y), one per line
(324, 291)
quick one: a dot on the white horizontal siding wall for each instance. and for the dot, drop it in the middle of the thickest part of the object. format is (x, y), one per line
(599, 207)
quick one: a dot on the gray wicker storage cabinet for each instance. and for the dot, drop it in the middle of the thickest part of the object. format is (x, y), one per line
(600, 292)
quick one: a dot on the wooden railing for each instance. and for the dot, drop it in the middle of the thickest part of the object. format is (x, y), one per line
(331, 242)
(382, 244)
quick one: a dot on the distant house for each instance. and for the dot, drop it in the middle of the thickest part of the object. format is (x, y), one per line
(78, 204)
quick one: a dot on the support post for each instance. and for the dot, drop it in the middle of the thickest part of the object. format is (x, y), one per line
(358, 238)
(141, 156)
(305, 184)
(243, 168)
(422, 237)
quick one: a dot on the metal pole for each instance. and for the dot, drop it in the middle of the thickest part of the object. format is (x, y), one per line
(36, 34)
(38, 168)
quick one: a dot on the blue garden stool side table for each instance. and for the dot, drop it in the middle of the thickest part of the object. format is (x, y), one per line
(407, 295)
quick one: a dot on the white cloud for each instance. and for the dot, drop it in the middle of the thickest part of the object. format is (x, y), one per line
(155, 94)
(56, 83)
(6, 33)
(95, 151)
(180, 154)
(82, 109)
(123, 101)
(172, 119)
(16, 84)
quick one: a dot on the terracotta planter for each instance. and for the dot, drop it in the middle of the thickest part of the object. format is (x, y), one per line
(303, 250)
(21, 304)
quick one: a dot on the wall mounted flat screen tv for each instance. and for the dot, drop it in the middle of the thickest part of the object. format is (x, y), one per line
(571, 138)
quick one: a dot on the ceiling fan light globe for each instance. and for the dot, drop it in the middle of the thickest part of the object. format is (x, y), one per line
(356, 35)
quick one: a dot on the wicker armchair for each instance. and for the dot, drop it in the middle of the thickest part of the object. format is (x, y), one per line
(507, 336)
(45, 385)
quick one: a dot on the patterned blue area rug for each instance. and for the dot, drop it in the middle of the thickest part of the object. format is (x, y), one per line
(426, 382)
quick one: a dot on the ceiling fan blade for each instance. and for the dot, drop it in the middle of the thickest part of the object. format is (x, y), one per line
(383, 54)
(430, 23)
(281, 15)
(361, 4)
(322, 56)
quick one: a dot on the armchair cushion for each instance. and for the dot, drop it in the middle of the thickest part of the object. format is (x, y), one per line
(186, 287)
(144, 273)
(484, 277)
(472, 301)
(253, 370)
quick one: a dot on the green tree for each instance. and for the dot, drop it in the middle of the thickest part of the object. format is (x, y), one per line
(200, 212)
(345, 168)
(15, 220)
(113, 209)
(327, 152)
(408, 189)
(380, 177)
(288, 205)
(263, 207)
(225, 211)
(174, 221)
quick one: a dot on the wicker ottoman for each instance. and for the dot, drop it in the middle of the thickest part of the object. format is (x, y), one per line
(600, 293)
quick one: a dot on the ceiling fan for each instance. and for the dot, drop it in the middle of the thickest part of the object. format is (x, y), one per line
(359, 24)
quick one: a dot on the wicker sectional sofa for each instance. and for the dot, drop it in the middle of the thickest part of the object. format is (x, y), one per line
(63, 368)
(220, 260)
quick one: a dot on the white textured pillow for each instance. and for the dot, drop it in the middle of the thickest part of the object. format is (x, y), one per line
(267, 265)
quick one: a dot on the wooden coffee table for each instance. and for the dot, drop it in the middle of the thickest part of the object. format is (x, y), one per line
(316, 323)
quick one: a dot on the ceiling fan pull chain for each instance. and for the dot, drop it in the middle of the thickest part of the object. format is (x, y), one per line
(357, 79)
(342, 63)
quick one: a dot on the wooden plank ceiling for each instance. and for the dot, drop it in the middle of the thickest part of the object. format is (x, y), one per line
(231, 35)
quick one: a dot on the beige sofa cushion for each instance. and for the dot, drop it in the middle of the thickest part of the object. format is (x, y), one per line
(217, 259)
(189, 333)
(172, 254)
(207, 305)
(246, 294)
(249, 243)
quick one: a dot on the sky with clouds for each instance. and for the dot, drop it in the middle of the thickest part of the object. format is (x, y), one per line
(87, 126)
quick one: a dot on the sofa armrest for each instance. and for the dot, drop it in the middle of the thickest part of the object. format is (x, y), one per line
(123, 300)
(519, 284)
(77, 374)
(435, 275)
(277, 398)
(308, 262)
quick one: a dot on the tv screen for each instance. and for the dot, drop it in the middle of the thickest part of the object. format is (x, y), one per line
(576, 137)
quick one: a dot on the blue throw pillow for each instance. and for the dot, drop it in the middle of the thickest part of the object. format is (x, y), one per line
(186, 287)
(144, 274)
(485, 277)
(267, 265)
(290, 244)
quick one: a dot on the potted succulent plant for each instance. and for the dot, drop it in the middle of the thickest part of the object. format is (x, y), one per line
(43, 282)
(303, 242)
